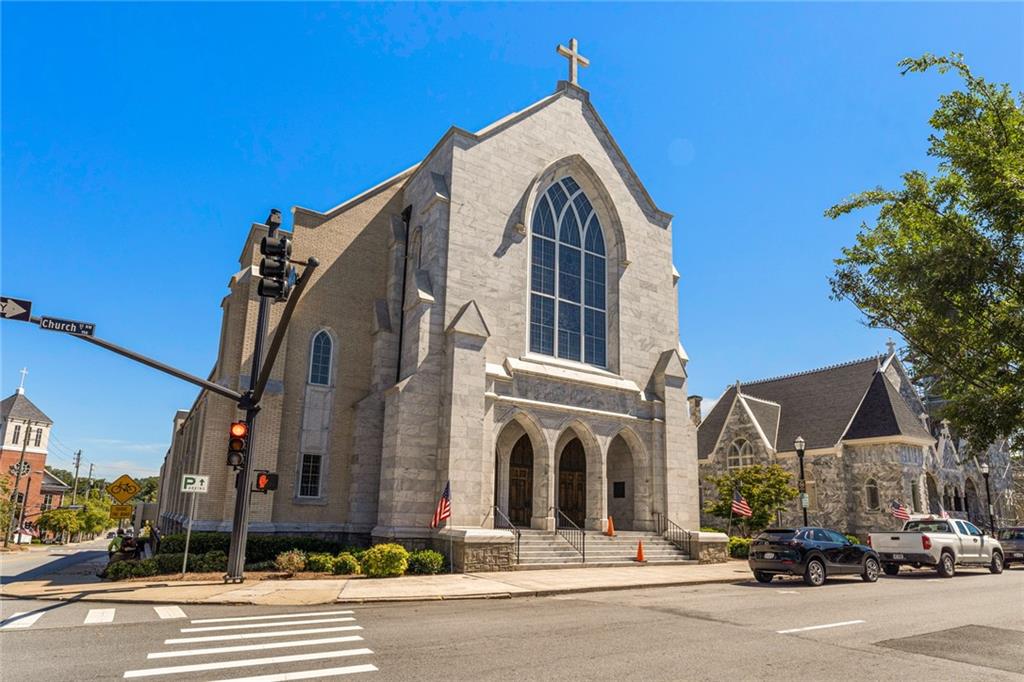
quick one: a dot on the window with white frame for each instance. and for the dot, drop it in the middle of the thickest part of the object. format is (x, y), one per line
(47, 502)
(741, 453)
(320, 359)
(17, 433)
(39, 437)
(309, 476)
(568, 308)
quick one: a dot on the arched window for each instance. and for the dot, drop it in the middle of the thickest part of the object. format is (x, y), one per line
(320, 360)
(741, 453)
(567, 281)
(871, 490)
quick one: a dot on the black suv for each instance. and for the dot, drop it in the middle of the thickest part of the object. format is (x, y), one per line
(814, 553)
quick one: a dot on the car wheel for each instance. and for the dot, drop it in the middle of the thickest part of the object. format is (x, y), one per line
(890, 569)
(997, 563)
(763, 577)
(814, 574)
(870, 573)
(947, 566)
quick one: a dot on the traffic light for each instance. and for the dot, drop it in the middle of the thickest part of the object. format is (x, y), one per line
(238, 441)
(278, 276)
(265, 481)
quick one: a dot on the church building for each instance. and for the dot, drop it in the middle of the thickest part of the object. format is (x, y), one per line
(502, 315)
(869, 438)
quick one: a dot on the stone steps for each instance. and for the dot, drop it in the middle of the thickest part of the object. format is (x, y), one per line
(540, 550)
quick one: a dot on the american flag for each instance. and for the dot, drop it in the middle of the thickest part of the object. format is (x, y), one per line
(739, 504)
(899, 510)
(943, 514)
(444, 506)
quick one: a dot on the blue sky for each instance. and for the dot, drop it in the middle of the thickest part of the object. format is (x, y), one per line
(140, 141)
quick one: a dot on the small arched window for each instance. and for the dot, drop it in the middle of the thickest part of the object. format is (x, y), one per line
(320, 360)
(568, 277)
(741, 453)
(871, 491)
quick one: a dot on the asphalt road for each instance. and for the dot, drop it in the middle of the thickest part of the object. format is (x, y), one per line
(912, 627)
(40, 561)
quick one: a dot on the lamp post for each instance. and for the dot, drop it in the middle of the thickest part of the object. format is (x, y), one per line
(799, 444)
(988, 499)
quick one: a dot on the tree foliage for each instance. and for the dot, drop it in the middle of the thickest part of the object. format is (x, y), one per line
(765, 487)
(60, 521)
(943, 265)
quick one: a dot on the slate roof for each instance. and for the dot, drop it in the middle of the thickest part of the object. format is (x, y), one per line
(766, 414)
(17, 406)
(819, 405)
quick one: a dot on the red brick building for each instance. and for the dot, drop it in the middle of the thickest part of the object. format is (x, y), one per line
(24, 427)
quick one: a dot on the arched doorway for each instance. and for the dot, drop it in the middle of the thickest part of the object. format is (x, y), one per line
(934, 501)
(520, 482)
(972, 504)
(572, 482)
(621, 485)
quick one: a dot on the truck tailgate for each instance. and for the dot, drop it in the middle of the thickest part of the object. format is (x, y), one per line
(896, 541)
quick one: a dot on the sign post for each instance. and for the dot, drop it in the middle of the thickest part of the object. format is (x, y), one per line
(192, 483)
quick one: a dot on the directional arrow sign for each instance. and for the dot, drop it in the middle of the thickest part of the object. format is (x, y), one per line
(69, 326)
(15, 309)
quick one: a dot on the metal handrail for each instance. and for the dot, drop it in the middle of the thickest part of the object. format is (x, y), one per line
(674, 533)
(571, 533)
(502, 521)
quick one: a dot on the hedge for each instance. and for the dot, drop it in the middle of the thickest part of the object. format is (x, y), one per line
(739, 548)
(388, 560)
(259, 548)
(426, 562)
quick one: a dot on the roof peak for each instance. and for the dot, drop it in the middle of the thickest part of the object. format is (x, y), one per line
(827, 368)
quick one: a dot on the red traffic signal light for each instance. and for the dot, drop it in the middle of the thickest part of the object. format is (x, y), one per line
(237, 442)
(265, 481)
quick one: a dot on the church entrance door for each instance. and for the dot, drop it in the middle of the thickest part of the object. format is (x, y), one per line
(520, 483)
(572, 482)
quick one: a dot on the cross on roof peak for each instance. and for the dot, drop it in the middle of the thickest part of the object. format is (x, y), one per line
(21, 387)
(576, 60)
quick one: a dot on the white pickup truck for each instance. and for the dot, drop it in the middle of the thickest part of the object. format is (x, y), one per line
(942, 543)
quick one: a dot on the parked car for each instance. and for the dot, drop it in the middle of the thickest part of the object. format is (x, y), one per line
(813, 553)
(111, 535)
(1012, 540)
(942, 543)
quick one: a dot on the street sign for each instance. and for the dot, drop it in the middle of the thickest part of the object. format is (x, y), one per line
(15, 309)
(194, 483)
(805, 500)
(121, 511)
(124, 488)
(70, 326)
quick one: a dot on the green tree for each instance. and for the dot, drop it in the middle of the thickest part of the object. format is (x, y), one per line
(765, 487)
(59, 521)
(94, 517)
(5, 505)
(943, 264)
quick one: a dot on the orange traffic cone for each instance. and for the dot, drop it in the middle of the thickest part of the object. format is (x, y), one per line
(640, 551)
(611, 528)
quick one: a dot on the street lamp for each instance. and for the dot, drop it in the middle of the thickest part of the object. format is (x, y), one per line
(799, 445)
(988, 499)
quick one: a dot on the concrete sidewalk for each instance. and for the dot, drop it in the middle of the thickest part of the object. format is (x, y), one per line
(360, 590)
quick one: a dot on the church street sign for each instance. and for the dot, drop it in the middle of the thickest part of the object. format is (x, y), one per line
(124, 488)
(15, 309)
(120, 511)
(70, 326)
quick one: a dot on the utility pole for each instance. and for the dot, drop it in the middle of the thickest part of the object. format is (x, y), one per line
(17, 482)
(74, 490)
(88, 485)
(24, 503)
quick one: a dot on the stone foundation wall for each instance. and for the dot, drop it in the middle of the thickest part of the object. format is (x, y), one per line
(711, 548)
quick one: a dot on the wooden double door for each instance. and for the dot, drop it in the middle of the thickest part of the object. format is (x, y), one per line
(572, 482)
(520, 483)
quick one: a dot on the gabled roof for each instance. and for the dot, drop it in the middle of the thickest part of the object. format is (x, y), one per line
(884, 412)
(817, 405)
(52, 483)
(17, 406)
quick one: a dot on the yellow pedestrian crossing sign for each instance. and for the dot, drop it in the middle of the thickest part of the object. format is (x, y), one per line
(124, 488)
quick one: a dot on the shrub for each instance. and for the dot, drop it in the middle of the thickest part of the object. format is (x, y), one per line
(853, 538)
(709, 529)
(291, 561)
(258, 548)
(320, 562)
(388, 560)
(426, 562)
(346, 564)
(261, 566)
(739, 548)
(168, 563)
(121, 570)
(211, 562)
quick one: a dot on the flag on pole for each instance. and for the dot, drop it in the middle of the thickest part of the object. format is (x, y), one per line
(943, 514)
(899, 510)
(739, 504)
(444, 506)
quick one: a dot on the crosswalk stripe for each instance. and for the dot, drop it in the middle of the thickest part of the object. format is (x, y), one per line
(255, 647)
(258, 635)
(20, 620)
(267, 625)
(99, 616)
(220, 665)
(275, 616)
(166, 612)
(306, 674)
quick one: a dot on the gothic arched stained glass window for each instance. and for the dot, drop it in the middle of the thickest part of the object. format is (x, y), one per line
(568, 311)
(320, 360)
